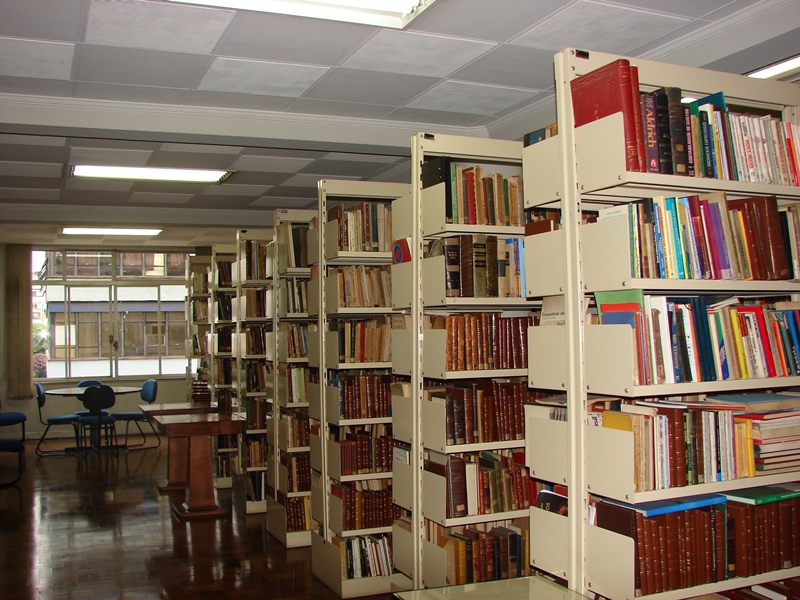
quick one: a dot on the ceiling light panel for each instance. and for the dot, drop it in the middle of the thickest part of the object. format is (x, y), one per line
(600, 27)
(156, 26)
(470, 98)
(107, 231)
(415, 53)
(42, 60)
(148, 173)
(260, 77)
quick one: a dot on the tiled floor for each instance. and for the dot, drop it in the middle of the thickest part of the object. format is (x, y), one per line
(97, 527)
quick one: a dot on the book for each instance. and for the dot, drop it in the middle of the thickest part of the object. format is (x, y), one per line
(605, 91)
(676, 128)
(663, 507)
(765, 494)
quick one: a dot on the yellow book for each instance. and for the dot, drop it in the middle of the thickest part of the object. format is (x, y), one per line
(745, 436)
(738, 343)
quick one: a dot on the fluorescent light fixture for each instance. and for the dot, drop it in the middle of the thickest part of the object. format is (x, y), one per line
(383, 13)
(149, 173)
(107, 231)
(773, 71)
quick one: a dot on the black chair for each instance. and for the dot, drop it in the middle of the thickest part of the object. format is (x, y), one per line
(71, 420)
(10, 419)
(85, 384)
(148, 394)
(101, 427)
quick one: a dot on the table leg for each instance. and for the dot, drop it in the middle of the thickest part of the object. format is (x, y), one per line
(200, 499)
(177, 464)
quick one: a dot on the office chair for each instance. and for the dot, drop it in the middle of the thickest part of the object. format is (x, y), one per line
(85, 384)
(10, 419)
(71, 420)
(148, 394)
(101, 426)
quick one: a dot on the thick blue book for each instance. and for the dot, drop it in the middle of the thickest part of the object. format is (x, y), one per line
(663, 507)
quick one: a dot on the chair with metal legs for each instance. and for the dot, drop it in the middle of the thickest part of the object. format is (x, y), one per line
(9, 419)
(71, 420)
(85, 384)
(100, 427)
(148, 394)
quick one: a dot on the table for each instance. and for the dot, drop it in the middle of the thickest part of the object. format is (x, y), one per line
(200, 501)
(177, 452)
(78, 392)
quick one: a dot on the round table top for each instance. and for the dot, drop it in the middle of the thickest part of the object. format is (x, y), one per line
(78, 391)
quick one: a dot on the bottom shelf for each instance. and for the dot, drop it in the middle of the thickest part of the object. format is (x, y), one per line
(277, 527)
(326, 564)
(223, 483)
(521, 588)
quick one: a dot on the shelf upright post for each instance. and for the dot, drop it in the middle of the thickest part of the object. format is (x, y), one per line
(574, 315)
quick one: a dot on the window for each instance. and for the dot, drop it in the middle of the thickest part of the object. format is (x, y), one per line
(99, 325)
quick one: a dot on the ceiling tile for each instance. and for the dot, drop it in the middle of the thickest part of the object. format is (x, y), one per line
(95, 198)
(29, 153)
(681, 8)
(285, 203)
(260, 77)
(190, 160)
(156, 25)
(291, 192)
(434, 117)
(108, 157)
(728, 9)
(156, 198)
(31, 140)
(343, 168)
(291, 39)
(28, 194)
(304, 181)
(139, 67)
(283, 153)
(227, 189)
(514, 66)
(498, 20)
(332, 108)
(20, 181)
(255, 178)
(599, 27)
(369, 87)
(129, 93)
(759, 55)
(269, 164)
(200, 148)
(113, 144)
(470, 98)
(655, 43)
(105, 185)
(365, 158)
(35, 59)
(240, 101)
(36, 87)
(28, 169)
(43, 19)
(415, 53)
(215, 202)
(169, 187)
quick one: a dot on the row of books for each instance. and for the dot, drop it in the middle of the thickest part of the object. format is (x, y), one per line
(257, 411)
(223, 269)
(483, 552)
(252, 303)
(707, 236)
(365, 556)
(702, 138)
(297, 379)
(223, 367)
(481, 483)
(363, 395)
(481, 266)
(256, 339)
(222, 299)
(222, 338)
(366, 227)
(298, 513)
(362, 286)
(362, 452)
(295, 294)
(295, 337)
(200, 393)
(224, 465)
(681, 441)
(256, 258)
(477, 194)
(256, 486)
(700, 338)
(366, 504)
(293, 241)
(257, 377)
(199, 310)
(483, 340)
(199, 345)
(482, 411)
(298, 468)
(198, 283)
(256, 452)
(294, 428)
(363, 340)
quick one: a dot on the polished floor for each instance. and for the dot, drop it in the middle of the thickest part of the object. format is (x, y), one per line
(85, 528)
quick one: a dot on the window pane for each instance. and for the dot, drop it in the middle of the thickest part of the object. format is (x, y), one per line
(176, 335)
(132, 334)
(88, 332)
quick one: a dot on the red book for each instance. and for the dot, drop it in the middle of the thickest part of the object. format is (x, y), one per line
(603, 92)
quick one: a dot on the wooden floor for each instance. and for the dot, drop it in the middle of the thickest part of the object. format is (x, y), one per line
(97, 527)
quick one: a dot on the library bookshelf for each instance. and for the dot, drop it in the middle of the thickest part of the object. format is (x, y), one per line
(350, 412)
(289, 498)
(422, 348)
(252, 311)
(220, 340)
(197, 324)
(586, 166)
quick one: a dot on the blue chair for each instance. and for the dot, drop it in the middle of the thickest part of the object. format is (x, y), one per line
(71, 420)
(10, 419)
(101, 427)
(148, 394)
(85, 384)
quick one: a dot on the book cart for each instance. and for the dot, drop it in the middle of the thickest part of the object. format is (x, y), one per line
(420, 289)
(289, 497)
(579, 168)
(197, 325)
(350, 349)
(252, 312)
(220, 351)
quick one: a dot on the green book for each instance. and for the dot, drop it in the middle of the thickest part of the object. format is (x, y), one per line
(764, 494)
